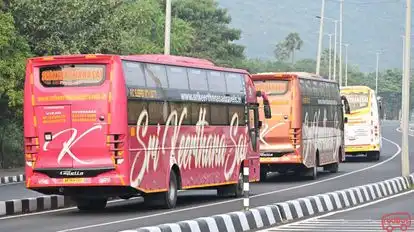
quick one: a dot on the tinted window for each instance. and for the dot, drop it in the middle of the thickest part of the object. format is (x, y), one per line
(72, 75)
(134, 73)
(197, 113)
(177, 77)
(135, 108)
(156, 75)
(197, 79)
(219, 115)
(216, 82)
(272, 87)
(234, 83)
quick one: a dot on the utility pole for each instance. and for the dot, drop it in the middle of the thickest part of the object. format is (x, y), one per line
(335, 44)
(405, 161)
(318, 56)
(376, 74)
(346, 64)
(330, 56)
(341, 11)
(167, 33)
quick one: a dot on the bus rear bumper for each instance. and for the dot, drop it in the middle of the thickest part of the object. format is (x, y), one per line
(362, 148)
(39, 180)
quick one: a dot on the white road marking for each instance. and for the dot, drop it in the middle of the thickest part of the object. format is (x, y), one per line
(235, 200)
(317, 222)
(211, 204)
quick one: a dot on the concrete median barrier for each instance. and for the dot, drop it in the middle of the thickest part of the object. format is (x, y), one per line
(279, 213)
(12, 179)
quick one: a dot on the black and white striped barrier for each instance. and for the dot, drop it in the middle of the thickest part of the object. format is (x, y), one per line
(278, 213)
(35, 204)
(12, 179)
(246, 185)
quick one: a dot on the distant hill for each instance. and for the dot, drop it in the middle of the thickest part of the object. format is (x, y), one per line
(368, 25)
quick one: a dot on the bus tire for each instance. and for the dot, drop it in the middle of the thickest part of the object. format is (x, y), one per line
(374, 155)
(263, 175)
(85, 204)
(312, 173)
(334, 167)
(167, 199)
(235, 190)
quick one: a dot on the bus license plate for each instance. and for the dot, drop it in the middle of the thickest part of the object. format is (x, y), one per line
(73, 180)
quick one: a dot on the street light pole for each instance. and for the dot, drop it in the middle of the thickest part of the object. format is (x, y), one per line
(376, 74)
(341, 3)
(167, 33)
(405, 162)
(335, 46)
(318, 57)
(330, 56)
(346, 64)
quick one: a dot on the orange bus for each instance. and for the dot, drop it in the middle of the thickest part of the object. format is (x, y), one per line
(306, 130)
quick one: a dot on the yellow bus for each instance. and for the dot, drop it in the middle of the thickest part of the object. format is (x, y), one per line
(363, 127)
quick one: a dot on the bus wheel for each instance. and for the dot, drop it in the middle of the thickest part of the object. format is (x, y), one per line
(334, 168)
(170, 197)
(166, 200)
(263, 175)
(375, 155)
(91, 204)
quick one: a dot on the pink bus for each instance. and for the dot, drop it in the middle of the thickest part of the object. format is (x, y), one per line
(103, 126)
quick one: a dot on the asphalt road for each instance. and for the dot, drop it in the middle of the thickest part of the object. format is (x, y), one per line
(130, 214)
(369, 217)
(16, 191)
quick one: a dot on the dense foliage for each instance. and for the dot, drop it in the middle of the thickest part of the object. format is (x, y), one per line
(199, 28)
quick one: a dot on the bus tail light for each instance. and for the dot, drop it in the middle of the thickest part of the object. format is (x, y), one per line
(376, 130)
(31, 149)
(116, 146)
(294, 137)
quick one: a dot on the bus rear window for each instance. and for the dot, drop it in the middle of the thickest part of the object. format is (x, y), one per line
(272, 87)
(357, 100)
(70, 75)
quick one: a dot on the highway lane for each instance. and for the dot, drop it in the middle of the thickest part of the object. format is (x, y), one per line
(364, 218)
(18, 190)
(130, 214)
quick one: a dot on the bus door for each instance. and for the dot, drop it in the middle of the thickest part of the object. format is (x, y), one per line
(71, 111)
(275, 132)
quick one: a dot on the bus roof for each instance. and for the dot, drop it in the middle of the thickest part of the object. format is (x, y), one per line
(306, 75)
(180, 60)
(356, 87)
(150, 58)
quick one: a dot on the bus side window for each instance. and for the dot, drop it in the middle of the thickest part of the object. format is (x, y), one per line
(156, 76)
(239, 110)
(219, 115)
(200, 113)
(135, 108)
(179, 107)
(134, 74)
(158, 112)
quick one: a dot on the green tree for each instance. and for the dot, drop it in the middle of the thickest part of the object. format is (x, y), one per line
(87, 26)
(13, 53)
(293, 43)
(281, 53)
(213, 38)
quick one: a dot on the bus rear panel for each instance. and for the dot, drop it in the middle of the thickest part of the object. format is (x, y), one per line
(70, 139)
(363, 130)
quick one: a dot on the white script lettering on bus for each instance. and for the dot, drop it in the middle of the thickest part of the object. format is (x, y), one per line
(70, 142)
(207, 150)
